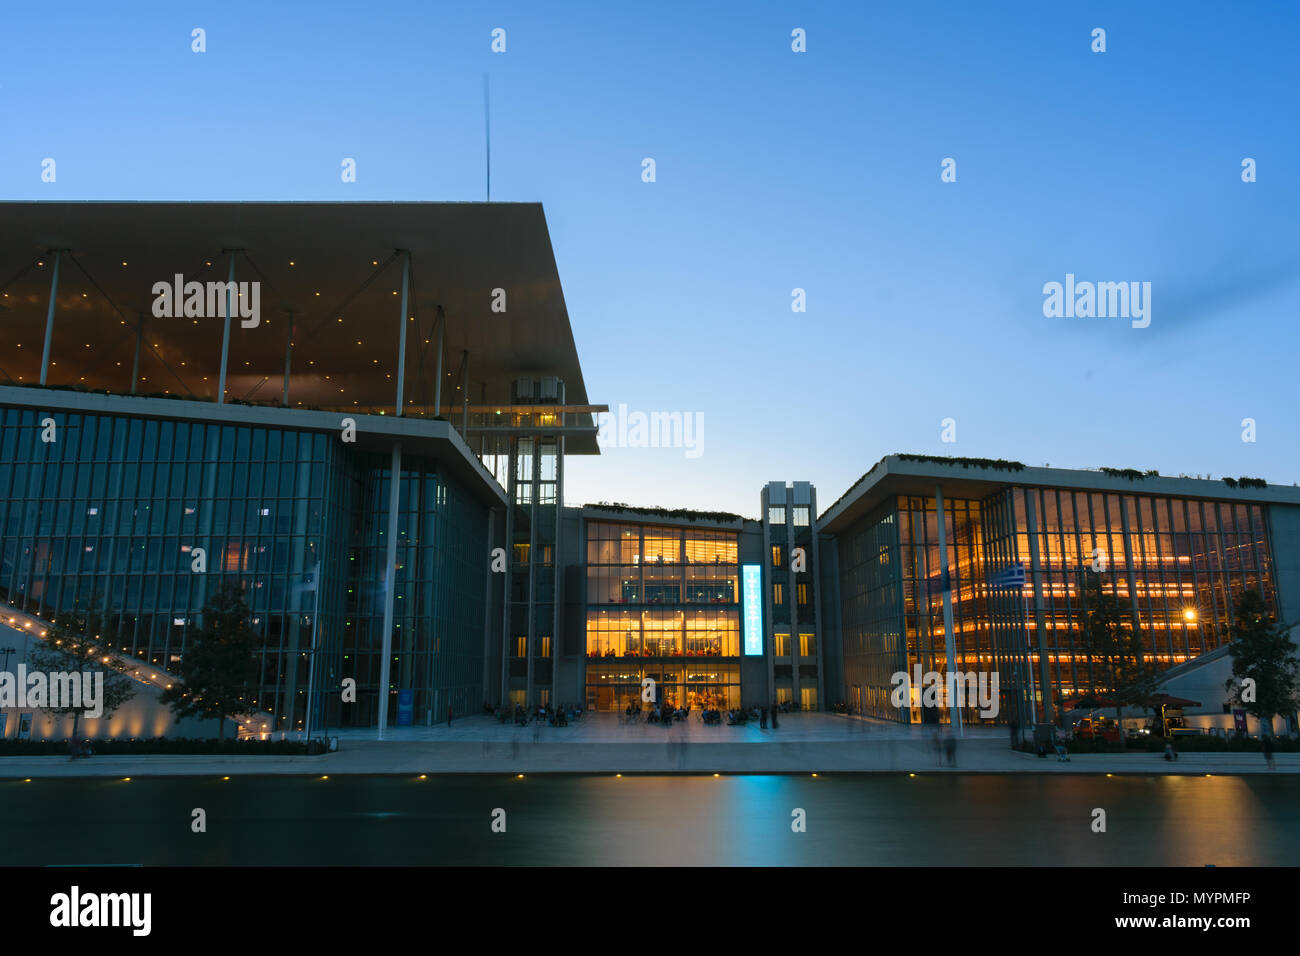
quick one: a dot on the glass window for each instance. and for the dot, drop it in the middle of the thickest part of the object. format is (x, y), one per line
(662, 546)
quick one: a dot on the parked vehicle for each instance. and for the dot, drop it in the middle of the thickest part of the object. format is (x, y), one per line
(1097, 728)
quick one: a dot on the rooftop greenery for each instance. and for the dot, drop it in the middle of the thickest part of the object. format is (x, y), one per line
(685, 514)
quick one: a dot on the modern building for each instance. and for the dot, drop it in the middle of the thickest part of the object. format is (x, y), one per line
(344, 407)
(987, 564)
(361, 412)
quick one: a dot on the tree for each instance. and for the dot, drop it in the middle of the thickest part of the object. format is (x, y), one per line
(220, 666)
(66, 651)
(1262, 651)
(1114, 649)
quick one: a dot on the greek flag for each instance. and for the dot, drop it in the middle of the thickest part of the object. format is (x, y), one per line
(1011, 577)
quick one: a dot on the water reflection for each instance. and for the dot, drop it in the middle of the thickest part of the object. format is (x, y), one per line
(735, 820)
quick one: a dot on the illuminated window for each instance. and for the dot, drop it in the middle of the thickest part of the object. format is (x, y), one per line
(782, 642)
(776, 555)
(662, 547)
(778, 594)
(776, 514)
(800, 515)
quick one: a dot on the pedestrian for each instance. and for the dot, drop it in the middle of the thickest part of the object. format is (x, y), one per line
(762, 720)
(950, 748)
(1268, 750)
(449, 715)
(1015, 732)
(774, 716)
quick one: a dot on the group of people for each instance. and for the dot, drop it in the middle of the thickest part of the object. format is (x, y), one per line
(665, 714)
(761, 714)
(945, 748)
(555, 716)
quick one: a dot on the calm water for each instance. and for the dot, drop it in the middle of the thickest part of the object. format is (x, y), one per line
(656, 820)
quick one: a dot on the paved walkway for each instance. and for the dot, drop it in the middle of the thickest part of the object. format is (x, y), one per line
(601, 743)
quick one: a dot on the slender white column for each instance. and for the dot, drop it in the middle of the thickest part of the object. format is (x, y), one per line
(225, 335)
(401, 336)
(390, 586)
(49, 317)
(949, 639)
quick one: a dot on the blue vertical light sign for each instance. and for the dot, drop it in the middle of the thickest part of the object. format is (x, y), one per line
(752, 588)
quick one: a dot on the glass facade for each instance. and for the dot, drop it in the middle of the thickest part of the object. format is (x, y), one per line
(101, 523)
(662, 603)
(438, 601)
(533, 522)
(1179, 563)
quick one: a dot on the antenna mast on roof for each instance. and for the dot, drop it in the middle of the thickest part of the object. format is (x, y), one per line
(487, 134)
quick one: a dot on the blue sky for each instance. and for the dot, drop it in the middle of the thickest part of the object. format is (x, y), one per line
(775, 170)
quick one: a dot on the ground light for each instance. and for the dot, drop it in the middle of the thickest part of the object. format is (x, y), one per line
(424, 776)
(225, 778)
(911, 775)
(326, 777)
(814, 775)
(717, 774)
(128, 779)
(520, 777)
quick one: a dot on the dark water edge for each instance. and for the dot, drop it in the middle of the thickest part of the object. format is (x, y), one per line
(603, 820)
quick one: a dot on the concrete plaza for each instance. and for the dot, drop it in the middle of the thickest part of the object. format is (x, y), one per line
(604, 743)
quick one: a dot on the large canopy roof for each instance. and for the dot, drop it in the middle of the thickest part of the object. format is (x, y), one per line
(333, 265)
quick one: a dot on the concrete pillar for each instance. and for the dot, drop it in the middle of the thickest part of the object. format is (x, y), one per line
(401, 338)
(557, 576)
(464, 391)
(949, 638)
(439, 321)
(288, 355)
(390, 586)
(1040, 615)
(225, 335)
(819, 623)
(49, 317)
(139, 339)
(487, 606)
